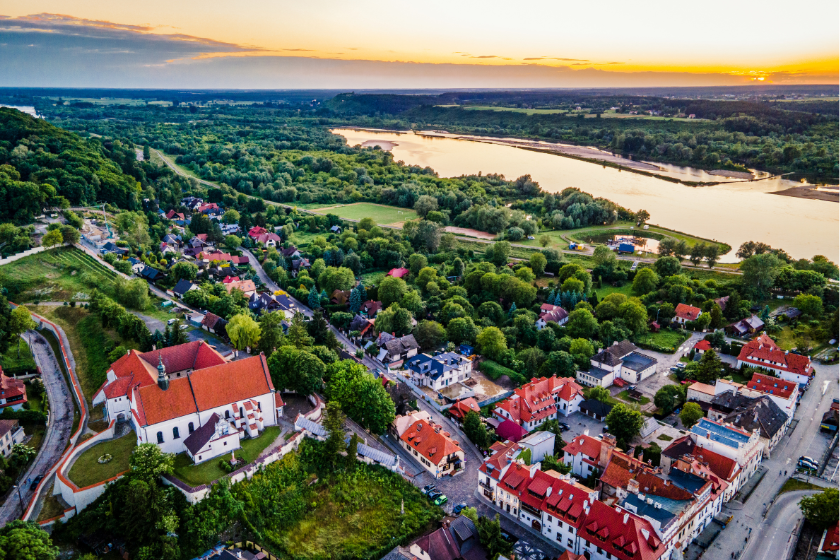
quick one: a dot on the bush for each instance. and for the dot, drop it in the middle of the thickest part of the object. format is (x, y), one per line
(494, 371)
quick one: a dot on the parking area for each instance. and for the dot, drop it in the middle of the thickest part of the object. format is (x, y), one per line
(816, 450)
(581, 424)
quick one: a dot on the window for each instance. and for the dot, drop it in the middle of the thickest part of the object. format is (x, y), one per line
(227, 414)
(175, 433)
(191, 428)
(160, 437)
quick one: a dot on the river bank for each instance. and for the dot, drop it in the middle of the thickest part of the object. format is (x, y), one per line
(811, 192)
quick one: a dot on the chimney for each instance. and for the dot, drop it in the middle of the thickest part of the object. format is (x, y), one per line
(586, 432)
(626, 517)
(548, 491)
(633, 486)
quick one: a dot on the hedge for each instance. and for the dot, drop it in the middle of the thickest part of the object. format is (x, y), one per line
(25, 416)
(494, 371)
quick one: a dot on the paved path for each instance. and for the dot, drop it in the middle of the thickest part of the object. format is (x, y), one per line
(58, 431)
(796, 442)
(775, 536)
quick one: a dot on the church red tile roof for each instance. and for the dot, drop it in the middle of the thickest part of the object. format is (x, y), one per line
(231, 382)
(192, 355)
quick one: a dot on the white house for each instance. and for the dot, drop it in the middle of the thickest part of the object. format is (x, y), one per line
(764, 353)
(540, 400)
(621, 362)
(439, 371)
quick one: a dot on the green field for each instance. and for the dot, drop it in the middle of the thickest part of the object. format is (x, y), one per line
(515, 110)
(381, 214)
(114, 101)
(207, 472)
(56, 275)
(12, 364)
(86, 470)
(665, 338)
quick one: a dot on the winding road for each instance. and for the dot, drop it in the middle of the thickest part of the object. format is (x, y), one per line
(775, 536)
(58, 430)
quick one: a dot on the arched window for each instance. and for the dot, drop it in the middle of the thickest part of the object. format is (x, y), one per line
(191, 427)
(175, 434)
(160, 437)
(227, 414)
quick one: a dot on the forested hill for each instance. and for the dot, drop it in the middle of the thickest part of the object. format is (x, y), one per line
(42, 165)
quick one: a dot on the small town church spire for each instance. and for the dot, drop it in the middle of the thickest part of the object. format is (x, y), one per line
(163, 380)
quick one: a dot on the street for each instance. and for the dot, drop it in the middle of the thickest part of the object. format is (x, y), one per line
(58, 432)
(773, 539)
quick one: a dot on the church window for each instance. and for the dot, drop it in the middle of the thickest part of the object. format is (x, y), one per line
(175, 434)
(191, 427)
(160, 437)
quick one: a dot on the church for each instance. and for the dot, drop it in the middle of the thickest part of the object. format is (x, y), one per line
(189, 399)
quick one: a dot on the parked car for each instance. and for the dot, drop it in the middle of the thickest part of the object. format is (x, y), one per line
(459, 508)
(808, 459)
(440, 500)
(35, 482)
(428, 488)
(170, 321)
(564, 427)
(509, 538)
(434, 493)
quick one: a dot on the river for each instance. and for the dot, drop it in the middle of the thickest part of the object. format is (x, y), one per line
(731, 212)
(29, 110)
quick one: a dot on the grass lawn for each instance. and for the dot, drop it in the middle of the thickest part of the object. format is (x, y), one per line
(606, 289)
(373, 278)
(52, 507)
(37, 432)
(207, 472)
(35, 402)
(793, 484)
(786, 339)
(13, 365)
(86, 470)
(381, 214)
(57, 275)
(665, 437)
(665, 338)
(625, 395)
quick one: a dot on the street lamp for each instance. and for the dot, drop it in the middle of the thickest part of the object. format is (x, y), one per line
(17, 489)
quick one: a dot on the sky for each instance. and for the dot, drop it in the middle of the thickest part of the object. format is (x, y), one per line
(368, 44)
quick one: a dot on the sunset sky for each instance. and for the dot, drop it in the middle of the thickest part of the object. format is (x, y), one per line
(394, 44)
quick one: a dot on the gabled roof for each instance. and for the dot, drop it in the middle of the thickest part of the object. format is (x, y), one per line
(199, 438)
(11, 388)
(687, 312)
(210, 320)
(703, 345)
(243, 285)
(182, 287)
(613, 355)
(722, 466)
(587, 445)
(761, 414)
(596, 407)
(191, 355)
(762, 350)
(501, 452)
(510, 431)
(462, 407)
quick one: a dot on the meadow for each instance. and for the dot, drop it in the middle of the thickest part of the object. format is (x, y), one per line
(379, 213)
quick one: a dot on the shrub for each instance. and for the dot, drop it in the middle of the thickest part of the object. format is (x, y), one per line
(494, 371)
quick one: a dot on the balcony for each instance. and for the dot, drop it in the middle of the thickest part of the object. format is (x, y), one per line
(531, 510)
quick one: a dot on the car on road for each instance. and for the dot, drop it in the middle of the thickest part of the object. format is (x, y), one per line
(564, 427)
(459, 508)
(35, 482)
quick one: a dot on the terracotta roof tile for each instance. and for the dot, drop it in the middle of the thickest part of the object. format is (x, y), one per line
(687, 312)
(160, 406)
(772, 385)
(231, 382)
(430, 441)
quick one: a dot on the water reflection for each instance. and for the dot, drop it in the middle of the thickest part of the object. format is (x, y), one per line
(731, 212)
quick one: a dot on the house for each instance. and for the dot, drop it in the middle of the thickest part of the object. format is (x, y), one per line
(209, 257)
(136, 265)
(264, 237)
(508, 430)
(702, 346)
(336, 230)
(247, 287)
(551, 314)
(460, 409)
(290, 252)
(398, 272)
(764, 353)
(722, 467)
(616, 532)
(439, 371)
(298, 264)
(761, 414)
(686, 313)
(830, 543)
(619, 364)
(404, 422)
(596, 409)
(110, 247)
(540, 400)
(363, 325)
(491, 471)
(151, 274)
(538, 445)
(263, 303)
(700, 393)
(11, 433)
(12, 392)
(784, 393)
(173, 215)
(209, 208)
(587, 454)
(192, 389)
(456, 539)
(727, 440)
(434, 448)
(393, 349)
(172, 240)
(182, 287)
(750, 325)
(215, 324)
(370, 308)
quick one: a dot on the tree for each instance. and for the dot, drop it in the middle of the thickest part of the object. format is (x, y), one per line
(25, 540)
(708, 369)
(581, 324)
(412, 302)
(52, 238)
(184, 271)
(712, 254)
(527, 275)
(361, 396)
(690, 414)
(490, 535)
(537, 263)
(821, 509)
(231, 217)
(475, 430)
(599, 394)
(498, 253)
(624, 423)
(416, 262)
(716, 316)
(461, 330)
(232, 242)
(698, 253)
(314, 298)
(149, 462)
(669, 398)
(355, 303)
(703, 321)
(429, 334)
(642, 216)
(581, 349)
(394, 320)
(553, 463)
(645, 281)
(297, 335)
(336, 279)
(425, 204)
(391, 290)
(271, 332)
(20, 321)
(667, 266)
(810, 306)
(296, 370)
(559, 363)
(318, 328)
(545, 240)
(243, 332)
(69, 234)
(758, 274)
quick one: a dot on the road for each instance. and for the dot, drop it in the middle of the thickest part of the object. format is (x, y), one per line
(58, 432)
(774, 537)
(796, 442)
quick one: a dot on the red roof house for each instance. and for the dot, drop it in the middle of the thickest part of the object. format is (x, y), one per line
(540, 400)
(460, 409)
(12, 392)
(772, 385)
(398, 272)
(685, 313)
(702, 346)
(763, 352)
